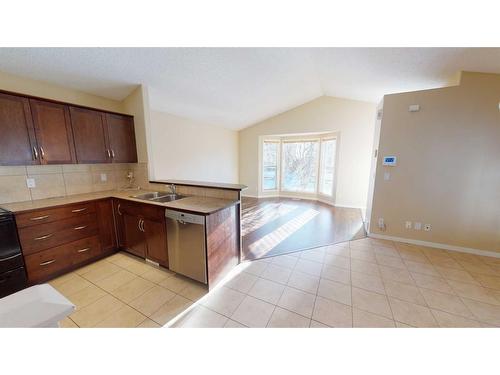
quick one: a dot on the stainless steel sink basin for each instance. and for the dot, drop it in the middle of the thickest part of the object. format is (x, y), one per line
(158, 197)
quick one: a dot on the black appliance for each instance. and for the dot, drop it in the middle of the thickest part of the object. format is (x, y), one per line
(12, 272)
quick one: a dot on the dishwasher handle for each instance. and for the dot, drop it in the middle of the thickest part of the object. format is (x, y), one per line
(184, 217)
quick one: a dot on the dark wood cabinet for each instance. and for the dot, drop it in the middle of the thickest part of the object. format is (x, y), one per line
(156, 240)
(53, 132)
(121, 138)
(89, 132)
(135, 241)
(106, 224)
(17, 134)
(119, 224)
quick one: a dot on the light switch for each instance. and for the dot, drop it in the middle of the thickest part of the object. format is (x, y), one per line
(104, 177)
(31, 182)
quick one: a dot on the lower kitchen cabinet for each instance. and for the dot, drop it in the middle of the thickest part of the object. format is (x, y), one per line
(141, 230)
(105, 222)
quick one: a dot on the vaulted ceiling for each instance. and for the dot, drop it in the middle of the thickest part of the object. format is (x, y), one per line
(237, 87)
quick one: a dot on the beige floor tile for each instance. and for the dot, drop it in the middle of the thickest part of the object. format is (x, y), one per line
(194, 291)
(175, 283)
(386, 251)
(405, 292)
(126, 317)
(100, 272)
(67, 323)
(256, 267)
(267, 290)
(402, 325)
(253, 312)
(331, 313)
(364, 319)
(425, 269)
(484, 312)
(474, 292)
(431, 282)
(116, 280)
(447, 262)
(336, 274)
(286, 261)
(335, 291)
(366, 255)
(315, 324)
(151, 300)
(116, 257)
(339, 249)
(414, 255)
(308, 266)
(72, 286)
(133, 289)
(316, 255)
(233, 324)
(478, 267)
(201, 317)
(224, 300)
(157, 275)
(488, 281)
(148, 323)
(369, 282)
(276, 273)
(282, 318)
(170, 309)
(86, 296)
(63, 279)
(458, 275)
(378, 242)
(371, 302)
(242, 282)
(446, 302)
(396, 274)
(304, 282)
(365, 267)
(390, 261)
(338, 261)
(411, 314)
(357, 244)
(97, 311)
(297, 301)
(447, 320)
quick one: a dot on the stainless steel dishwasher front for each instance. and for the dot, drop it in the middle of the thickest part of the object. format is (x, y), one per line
(186, 244)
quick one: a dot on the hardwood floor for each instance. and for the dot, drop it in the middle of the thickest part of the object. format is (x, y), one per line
(273, 226)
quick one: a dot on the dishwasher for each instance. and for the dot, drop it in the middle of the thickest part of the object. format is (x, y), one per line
(186, 244)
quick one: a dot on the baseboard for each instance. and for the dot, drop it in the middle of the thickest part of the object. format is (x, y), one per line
(250, 196)
(347, 206)
(436, 245)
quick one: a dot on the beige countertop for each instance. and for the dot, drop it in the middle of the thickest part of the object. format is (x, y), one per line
(195, 204)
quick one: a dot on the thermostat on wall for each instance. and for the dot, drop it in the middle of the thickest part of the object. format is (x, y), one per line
(389, 161)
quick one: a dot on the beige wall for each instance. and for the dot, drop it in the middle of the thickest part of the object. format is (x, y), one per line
(354, 122)
(137, 105)
(448, 172)
(189, 150)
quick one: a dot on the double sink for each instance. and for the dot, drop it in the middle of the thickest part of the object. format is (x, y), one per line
(157, 196)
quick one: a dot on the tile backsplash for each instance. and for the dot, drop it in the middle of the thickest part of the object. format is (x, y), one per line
(69, 179)
(61, 180)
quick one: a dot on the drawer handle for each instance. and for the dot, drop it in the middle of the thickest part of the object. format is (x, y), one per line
(81, 227)
(39, 217)
(47, 262)
(79, 210)
(9, 258)
(83, 250)
(43, 237)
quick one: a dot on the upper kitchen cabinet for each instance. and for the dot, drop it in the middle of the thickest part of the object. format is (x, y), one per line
(89, 132)
(121, 138)
(53, 132)
(17, 135)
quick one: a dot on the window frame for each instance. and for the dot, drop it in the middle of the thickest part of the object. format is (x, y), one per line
(320, 169)
(278, 167)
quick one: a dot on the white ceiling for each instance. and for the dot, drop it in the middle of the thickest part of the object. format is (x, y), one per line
(237, 87)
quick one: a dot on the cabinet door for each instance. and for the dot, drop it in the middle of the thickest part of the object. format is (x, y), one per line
(106, 224)
(119, 223)
(17, 135)
(90, 136)
(135, 241)
(156, 239)
(53, 132)
(121, 136)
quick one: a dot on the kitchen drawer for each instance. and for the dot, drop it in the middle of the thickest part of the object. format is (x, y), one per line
(44, 236)
(12, 281)
(84, 249)
(145, 210)
(49, 215)
(44, 264)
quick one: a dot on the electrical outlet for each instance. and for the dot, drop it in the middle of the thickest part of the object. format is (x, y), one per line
(104, 177)
(427, 227)
(381, 224)
(417, 226)
(30, 182)
(387, 176)
(408, 225)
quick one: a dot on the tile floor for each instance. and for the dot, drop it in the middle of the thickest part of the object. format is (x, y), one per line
(362, 283)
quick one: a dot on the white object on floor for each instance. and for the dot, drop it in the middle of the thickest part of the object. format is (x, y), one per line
(37, 306)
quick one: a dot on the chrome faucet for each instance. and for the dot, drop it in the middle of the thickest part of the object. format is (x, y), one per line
(173, 189)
